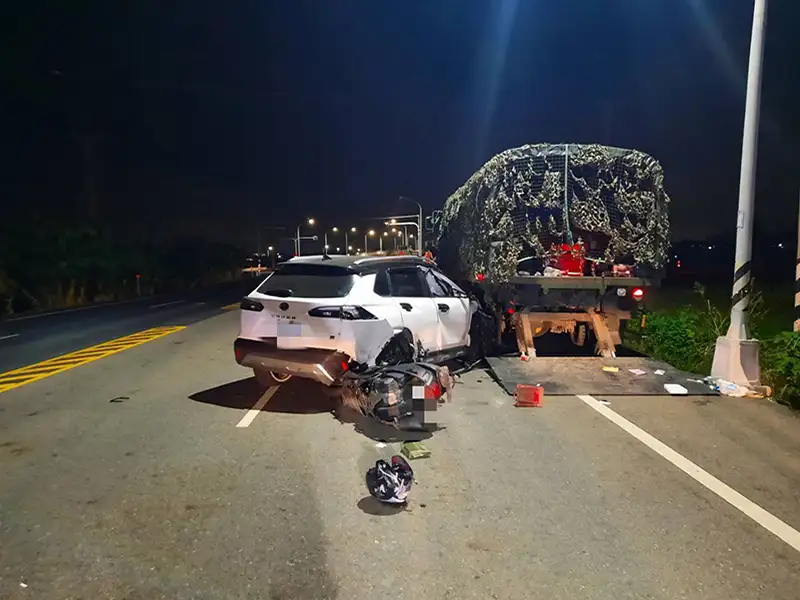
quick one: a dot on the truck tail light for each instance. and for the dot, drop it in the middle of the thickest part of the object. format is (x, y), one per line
(346, 313)
(638, 294)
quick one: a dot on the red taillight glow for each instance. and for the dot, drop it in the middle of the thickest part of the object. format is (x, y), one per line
(480, 276)
(345, 366)
(433, 391)
(510, 310)
(638, 294)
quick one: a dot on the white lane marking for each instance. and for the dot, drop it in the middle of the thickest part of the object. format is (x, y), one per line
(257, 407)
(167, 304)
(8, 337)
(767, 520)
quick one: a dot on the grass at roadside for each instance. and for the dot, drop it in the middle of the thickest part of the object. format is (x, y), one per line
(682, 327)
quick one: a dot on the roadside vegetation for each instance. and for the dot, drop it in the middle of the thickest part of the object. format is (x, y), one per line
(681, 328)
(51, 266)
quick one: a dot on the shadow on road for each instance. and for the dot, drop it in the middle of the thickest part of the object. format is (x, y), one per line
(376, 430)
(297, 397)
(305, 397)
(372, 506)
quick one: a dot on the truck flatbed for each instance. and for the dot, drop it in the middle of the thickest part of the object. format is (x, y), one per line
(579, 283)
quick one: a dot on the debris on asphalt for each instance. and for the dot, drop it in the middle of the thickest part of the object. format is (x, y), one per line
(390, 482)
(415, 450)
(638, 371)
(608, 369)
(528, 396)
(606, 402)
(399, 395)
(660, 372)
(726, 388)
(676, 389)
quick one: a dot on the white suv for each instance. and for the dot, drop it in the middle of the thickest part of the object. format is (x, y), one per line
(317, 317)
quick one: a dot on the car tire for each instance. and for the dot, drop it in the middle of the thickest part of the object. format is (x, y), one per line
(268, 379)
(279, 377)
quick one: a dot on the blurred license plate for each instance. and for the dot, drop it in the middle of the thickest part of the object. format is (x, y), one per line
(290, 330)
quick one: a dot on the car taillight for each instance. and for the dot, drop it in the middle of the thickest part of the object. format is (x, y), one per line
(347, 313)
(248, 304)
(638, 294)
(433, 391)
(480, 276)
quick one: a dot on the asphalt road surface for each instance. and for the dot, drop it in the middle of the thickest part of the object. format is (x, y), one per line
(32, 338)
(146, 475)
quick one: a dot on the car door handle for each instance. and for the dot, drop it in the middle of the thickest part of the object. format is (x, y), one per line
(406, 306)
(444, 308)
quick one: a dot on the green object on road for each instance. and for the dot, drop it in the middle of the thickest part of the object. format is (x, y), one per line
(415, 450)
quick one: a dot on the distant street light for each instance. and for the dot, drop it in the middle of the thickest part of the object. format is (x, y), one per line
(297, 239)
(421, 220)
(366, 235)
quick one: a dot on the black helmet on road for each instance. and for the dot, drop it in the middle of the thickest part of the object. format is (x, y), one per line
(390, 482)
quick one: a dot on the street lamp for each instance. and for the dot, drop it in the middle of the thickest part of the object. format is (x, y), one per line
(297, 241)
(366, 235)
(736, 356)
(419, 228)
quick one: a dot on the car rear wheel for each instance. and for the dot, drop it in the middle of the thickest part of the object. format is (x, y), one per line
(280, 377)
(267, 379)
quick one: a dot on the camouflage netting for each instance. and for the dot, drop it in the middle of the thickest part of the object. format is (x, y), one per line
(516, 206)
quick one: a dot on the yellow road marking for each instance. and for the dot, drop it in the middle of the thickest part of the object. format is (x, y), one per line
(25, 375)
(231, 306)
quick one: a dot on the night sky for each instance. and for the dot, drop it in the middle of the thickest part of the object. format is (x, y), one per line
(214, 117)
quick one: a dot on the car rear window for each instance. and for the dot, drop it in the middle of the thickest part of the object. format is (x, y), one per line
(308, 281)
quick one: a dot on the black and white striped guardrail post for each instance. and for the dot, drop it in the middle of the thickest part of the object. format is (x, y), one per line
(797, 279)
(736, 356)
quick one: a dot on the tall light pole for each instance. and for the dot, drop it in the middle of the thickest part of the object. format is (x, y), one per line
(297, 240)
(736, 356)
(346, 242)
(421, 222)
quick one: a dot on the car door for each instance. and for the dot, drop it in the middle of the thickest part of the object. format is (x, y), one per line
(407, 289)
(453, 310)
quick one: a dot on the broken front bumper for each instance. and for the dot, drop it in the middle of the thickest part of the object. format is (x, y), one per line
(323, 366)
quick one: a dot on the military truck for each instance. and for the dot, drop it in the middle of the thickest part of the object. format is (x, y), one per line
(558, 238)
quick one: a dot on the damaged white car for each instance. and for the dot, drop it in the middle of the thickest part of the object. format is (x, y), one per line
(320, 317)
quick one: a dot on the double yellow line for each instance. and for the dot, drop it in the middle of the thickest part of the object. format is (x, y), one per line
(25, 375)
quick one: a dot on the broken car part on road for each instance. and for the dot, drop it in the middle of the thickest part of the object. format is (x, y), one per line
(402, 395)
